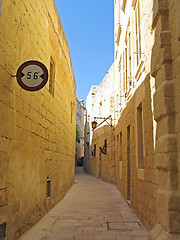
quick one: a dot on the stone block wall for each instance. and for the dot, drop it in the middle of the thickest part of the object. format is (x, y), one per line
(145, 154)
(37, 129)
(119, 165)
(102, 165)
(165, 69)
(137, 182)
(133, 139)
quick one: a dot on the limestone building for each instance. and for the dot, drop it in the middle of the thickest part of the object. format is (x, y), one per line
(100, 108)
(80, 120)
(37, 129)
(165, 69)
(142, 147)
(135, 132)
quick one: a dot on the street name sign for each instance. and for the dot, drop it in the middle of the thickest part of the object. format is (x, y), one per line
(32, 75)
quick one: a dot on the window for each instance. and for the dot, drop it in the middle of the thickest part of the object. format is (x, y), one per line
(129, 61)
(111, 104)
(137, 32)
(118, 28)
(125, 70)
(100, 108)
(177, 7)
(124, 5)
(71, 112)
(48, 194)
(128, 165)
(118, 146)
(117, 107)
(140, 137)
(3, 230)
(93, 107)
(51, 77)
(0, 9)
(120, 81)
(118, 11)
(120, 153)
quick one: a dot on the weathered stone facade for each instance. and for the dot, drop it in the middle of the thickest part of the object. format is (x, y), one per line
(165, 70)
(102, 164)
(99, 106)
(144, 140)
(80, 120)
(135, 155)
(37, 129)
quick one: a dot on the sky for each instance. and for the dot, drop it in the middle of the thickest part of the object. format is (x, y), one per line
(89, 29)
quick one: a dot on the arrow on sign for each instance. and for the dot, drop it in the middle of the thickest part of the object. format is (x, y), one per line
(42, 76)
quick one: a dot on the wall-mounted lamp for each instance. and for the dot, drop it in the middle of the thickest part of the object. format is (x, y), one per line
(94, 151)
(95, 125)
(104, 148)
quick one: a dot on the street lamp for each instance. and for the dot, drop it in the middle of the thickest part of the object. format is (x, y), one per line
(95, 125)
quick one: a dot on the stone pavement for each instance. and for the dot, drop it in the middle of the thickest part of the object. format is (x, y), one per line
(92, 209)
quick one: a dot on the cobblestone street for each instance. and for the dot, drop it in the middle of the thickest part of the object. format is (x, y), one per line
(92, 209)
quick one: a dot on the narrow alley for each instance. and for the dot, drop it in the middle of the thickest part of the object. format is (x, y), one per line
(93, 84)
(92, 209)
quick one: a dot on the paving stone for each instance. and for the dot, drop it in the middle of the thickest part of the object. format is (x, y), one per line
(139, 233)
(125, 233)
(92, 209)
(140, 238)
(84, 238)
(101, 228)
(109, 237)
(132, 225)
(124, 238)
(117, 226)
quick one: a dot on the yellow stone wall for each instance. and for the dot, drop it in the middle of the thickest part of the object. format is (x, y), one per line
(103, 165)
(133, 87)
(142, 180)
(152, 190)
(37, 129)
(165, 70)
(114, 168)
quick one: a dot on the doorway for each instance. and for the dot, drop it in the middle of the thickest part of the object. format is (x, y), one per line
(100, 163)
(128, 167)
